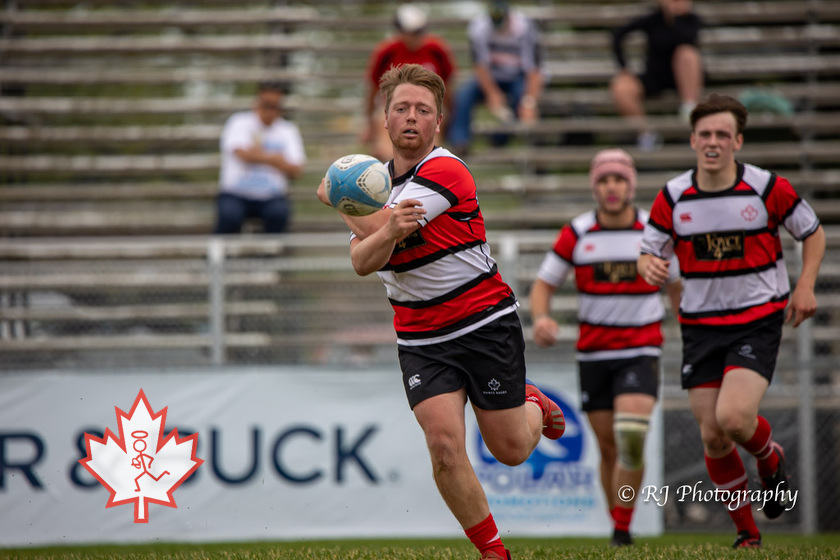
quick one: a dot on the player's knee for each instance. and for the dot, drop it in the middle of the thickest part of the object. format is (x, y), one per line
(444, 451)
(734, 424)
(714, 439)
(630, 433)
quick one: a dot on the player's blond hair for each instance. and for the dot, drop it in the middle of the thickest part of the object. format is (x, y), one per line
(414, 74)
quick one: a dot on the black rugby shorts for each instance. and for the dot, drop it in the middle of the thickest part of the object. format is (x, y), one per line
(708, 351)
(489, 362)
(603, 380)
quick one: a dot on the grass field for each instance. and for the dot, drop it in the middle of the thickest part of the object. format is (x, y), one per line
(706, 547)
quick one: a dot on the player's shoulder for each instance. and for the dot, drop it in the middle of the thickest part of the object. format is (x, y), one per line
(676, 186)
(762, 181)
(583, 223)
(442, 160)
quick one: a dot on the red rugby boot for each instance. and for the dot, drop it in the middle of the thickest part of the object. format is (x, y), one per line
(554, 424)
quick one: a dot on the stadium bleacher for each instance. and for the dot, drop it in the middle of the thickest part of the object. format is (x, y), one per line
(111, 116)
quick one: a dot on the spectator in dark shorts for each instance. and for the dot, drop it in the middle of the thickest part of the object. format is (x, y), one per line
(672, 62)
(722, 221)
(261, 154)
(458, 334)
(620, 315)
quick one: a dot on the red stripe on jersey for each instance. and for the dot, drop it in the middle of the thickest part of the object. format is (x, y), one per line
(565, 244)
(586, 283)
(781, 199)
(662, 213)
(599, 337)
(743, 317)
(760, 251)
(486, 294)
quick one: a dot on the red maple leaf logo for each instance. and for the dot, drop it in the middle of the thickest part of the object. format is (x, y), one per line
(150, 469)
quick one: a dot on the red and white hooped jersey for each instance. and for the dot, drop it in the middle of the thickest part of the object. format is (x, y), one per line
(728, 243)
(441, 280)
(620, 314)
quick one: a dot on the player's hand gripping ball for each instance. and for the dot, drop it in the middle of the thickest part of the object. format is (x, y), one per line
(358, 184)
(136, 463)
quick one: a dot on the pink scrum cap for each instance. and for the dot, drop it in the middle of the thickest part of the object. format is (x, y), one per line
(613, 162)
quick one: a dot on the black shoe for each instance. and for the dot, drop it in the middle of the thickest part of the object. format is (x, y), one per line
(620, 538)
(745, 540)
(779, 486)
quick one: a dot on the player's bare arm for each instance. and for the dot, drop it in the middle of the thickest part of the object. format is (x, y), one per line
(803, 302)
(652, 269)
(545, 328)
(372, 253)
(674, 292)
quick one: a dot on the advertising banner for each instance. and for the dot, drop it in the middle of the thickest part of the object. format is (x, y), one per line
(267, 454)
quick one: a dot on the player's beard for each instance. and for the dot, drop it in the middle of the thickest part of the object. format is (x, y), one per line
(617, 211)
(410, 148)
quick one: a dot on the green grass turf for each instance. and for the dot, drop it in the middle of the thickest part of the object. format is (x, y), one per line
(705, 547)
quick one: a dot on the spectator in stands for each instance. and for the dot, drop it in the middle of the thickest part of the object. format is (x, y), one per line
(261, 153)
(458, 332)
(620, 339)
(507, 59)
(410, 44)
(722, 220)
(673, 62)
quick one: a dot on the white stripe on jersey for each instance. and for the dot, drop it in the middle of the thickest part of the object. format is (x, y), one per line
(658, 244)
(706, 215)
(553, 269)
(438, 277)
(615, 246)
(601, 355)
(620, 310)
(801, 220)
(724, 293)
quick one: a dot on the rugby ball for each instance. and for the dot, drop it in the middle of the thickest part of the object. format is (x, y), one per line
(358, 184)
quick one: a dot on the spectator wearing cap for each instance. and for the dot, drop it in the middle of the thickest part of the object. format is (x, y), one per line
(411, 43)
(507, 76)
(619, 316)
(261, 154)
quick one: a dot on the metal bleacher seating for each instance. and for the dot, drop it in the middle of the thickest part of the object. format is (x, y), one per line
(111, 115)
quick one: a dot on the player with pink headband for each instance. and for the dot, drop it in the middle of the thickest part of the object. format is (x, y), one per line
(619, 315)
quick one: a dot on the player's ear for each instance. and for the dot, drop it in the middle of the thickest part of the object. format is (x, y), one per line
(739, 141)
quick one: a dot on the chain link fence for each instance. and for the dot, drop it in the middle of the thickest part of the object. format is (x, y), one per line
(167, 303)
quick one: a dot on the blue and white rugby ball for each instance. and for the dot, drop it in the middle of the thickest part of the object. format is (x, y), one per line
(358, 184)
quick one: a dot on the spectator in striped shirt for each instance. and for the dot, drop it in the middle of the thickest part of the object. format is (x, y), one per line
(620, 316)
(507, 68)
(722, 220)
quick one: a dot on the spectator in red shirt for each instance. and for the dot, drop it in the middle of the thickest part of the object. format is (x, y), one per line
(411, 44)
